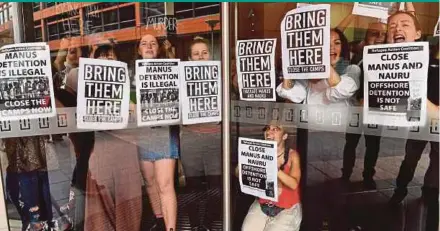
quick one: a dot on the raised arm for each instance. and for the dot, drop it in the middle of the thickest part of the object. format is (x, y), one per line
(295, 91)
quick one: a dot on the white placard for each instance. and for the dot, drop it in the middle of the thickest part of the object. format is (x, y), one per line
(437, 28)
(157, 92)
(380, 10)
(305, 42)
(103, 94)
(395, 84)
(26, 86)
(257, 165)
(256, 69)
(201, 92)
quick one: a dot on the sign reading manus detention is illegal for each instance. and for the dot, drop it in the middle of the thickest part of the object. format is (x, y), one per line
(26, 87)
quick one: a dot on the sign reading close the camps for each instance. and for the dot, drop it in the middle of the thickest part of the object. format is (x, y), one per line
(256, 69)
(103, 94)
(201, 91)
(305, 42)
(157, 91)
(26, 86)
(396, 84)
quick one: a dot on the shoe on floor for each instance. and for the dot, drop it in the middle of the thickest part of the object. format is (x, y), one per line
(369, 184)
(398, 197)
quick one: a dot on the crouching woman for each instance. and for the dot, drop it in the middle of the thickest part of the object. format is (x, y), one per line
(286, 214)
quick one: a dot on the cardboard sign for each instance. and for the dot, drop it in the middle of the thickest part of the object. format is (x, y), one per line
(380, 10)
(395, 84)
(305, 42)
(258, 168)
(26, 86)
(103, 94)
(201, 92)
(157, 92)
(256, 69)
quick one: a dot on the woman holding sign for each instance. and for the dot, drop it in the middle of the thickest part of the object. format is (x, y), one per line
(159, 154)
(203, 163)
(286, 214)
(337, 89)
(404, 27)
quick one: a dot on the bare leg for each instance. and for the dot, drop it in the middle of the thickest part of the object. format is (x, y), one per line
(164, 172)
(152, 188)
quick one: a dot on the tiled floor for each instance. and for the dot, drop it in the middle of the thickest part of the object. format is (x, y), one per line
(325, 200)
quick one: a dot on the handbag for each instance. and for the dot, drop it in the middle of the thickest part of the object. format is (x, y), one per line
(270, 210)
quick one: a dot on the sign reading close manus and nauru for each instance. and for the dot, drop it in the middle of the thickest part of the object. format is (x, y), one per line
(201, 92)
(26, 88)
(103, 94)
(256, 69)
(396, 84)
(157, 91)
(305, 42)
(257, 165)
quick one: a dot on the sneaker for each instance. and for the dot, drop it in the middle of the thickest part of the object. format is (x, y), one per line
(369, 184)
(397, 197)
(70, 205)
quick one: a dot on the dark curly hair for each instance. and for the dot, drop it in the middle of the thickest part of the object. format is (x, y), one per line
(345, 51)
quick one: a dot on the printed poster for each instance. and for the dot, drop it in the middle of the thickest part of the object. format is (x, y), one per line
(26, 87)
(380, 10)
(437, 28)
(103, 94)
(305, 42)
(258, 169)
(201, 92)
(395, 83)
(256, 69)
(157, 88)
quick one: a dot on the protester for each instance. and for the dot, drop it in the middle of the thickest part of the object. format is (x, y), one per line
(286, 214)
(201, 157)
(27, 182)
(404, 27)
(375, 35)
(337, 89)
(160, 153)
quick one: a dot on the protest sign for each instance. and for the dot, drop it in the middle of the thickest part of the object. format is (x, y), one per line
(437, 28)
(256, 69)
(26, 87)
(257, 163)
(103, 94)
(305, 42)
(201, 92)
(395, 84)
(157, 91)
(380, 10)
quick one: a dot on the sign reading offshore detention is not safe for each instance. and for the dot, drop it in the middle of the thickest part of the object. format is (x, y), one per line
(396, 82)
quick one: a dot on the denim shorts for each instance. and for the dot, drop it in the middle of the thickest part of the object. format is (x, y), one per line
(161, 143)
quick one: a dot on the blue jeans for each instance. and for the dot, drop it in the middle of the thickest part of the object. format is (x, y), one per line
(27, 190)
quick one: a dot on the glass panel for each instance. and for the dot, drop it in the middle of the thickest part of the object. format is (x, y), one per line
(114, 179)
(333, 178)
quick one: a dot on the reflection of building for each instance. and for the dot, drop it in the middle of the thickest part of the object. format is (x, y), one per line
(6, 36)
(88, 23)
